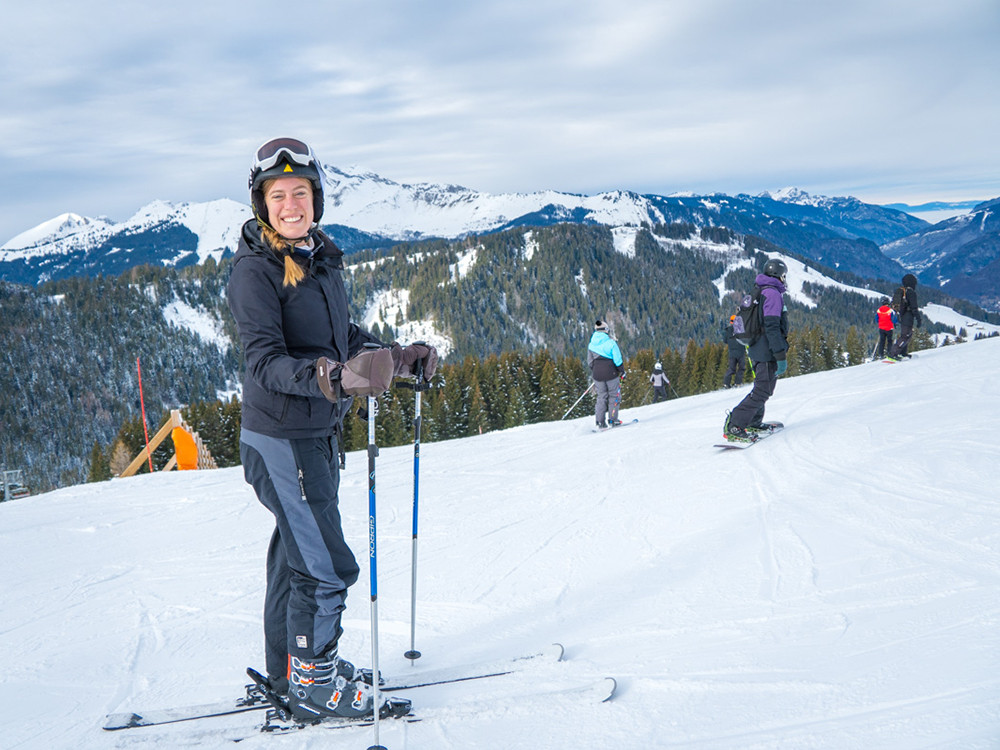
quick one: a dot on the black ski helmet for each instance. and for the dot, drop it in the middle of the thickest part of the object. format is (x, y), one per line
(910, 281)
(776, 268)
(884, 301)
(284, 157)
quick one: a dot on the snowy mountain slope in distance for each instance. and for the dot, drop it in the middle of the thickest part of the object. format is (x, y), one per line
(55, 229)
(837, 586)
(215, 224)
(380, 206)
(390, 306)
(926, 249)
(363, 202)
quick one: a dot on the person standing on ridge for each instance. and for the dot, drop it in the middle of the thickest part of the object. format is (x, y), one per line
(607, 367)
(660, 382)
(767, 352)
(887, 321)
(737, 357)
(288, 299)
(904, 302)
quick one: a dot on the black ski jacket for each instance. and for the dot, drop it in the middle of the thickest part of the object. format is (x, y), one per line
(283, 330)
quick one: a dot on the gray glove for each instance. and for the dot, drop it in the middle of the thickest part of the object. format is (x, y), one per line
(407, 360)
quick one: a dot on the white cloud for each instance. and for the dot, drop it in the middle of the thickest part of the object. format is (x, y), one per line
(106, 111)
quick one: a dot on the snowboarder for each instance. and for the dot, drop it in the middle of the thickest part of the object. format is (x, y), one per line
(288, 299)
(737, 357)
(607, 367)
(905, 303)
(768, 354)
(660, 382)
(887, 320)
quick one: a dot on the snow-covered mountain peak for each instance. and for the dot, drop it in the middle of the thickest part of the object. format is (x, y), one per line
(795, 195)
(63, 225)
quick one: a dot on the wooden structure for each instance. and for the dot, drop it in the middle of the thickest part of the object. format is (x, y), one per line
(189, 451)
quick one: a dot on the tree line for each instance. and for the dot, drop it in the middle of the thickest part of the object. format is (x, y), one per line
(500, 391)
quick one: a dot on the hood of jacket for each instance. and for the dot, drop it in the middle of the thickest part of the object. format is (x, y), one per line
(778, 284)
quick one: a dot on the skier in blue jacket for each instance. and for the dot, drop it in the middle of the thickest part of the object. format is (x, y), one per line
(607, 367)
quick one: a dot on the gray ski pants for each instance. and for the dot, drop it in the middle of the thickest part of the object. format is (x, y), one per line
(609, 398)
(309, 565)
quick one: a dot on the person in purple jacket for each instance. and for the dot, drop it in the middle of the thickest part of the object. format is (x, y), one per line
(767, 352)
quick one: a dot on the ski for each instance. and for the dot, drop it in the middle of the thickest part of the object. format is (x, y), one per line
(255, 700)
(771, 429)
(601, 690)
(617, 427)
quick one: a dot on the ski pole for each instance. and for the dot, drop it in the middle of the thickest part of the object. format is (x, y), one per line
(418, 386)
(578, 400)
(373, 560)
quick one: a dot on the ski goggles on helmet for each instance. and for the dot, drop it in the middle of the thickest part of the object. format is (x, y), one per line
(290, 149)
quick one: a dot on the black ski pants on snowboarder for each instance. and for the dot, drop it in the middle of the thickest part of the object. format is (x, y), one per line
(750, 411)
(899, 348)
(309, 565)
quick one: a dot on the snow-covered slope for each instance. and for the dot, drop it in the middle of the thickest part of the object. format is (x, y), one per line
(374, 204)
(837, 586)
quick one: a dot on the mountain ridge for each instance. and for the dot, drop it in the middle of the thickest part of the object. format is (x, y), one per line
(367, 210)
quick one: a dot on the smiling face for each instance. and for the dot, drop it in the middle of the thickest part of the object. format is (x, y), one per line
(289, 204)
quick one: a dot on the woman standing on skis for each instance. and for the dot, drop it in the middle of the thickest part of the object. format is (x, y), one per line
(290, 305)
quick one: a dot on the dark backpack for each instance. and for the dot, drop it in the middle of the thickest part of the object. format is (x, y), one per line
(899, 300)
(749, 321)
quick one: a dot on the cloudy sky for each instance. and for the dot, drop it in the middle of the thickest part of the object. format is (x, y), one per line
(106, 106)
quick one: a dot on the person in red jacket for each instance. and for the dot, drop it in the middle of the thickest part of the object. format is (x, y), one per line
(887, 321)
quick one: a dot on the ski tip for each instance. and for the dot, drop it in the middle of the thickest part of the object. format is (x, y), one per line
(257, 677)
(559, 651)
(611, 685)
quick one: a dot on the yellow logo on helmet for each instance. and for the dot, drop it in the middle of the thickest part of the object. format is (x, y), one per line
(288, 168)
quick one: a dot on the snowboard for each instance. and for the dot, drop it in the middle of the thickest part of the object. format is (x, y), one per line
(773, 427)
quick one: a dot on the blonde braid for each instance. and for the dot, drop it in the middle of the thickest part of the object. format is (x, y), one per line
(283, 249)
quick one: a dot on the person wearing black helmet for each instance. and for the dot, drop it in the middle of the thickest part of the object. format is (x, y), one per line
(905, 303)
(288, 299)
(767, 352)
(737, 355)
(887, 320)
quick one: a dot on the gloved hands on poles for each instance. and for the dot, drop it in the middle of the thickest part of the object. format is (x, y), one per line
(406, 359)
(367, 373)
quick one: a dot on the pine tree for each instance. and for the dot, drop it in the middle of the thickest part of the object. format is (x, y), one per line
(856, 348)
(100, 466)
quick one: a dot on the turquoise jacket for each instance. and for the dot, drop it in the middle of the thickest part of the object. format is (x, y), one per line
(604, 357)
